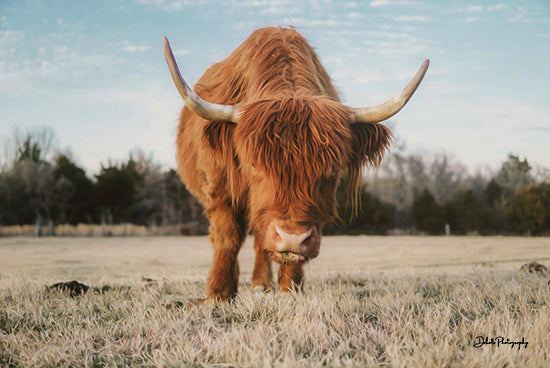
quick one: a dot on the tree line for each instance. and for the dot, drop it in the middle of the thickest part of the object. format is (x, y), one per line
(410, 193)
(434, 193)
(41, 187)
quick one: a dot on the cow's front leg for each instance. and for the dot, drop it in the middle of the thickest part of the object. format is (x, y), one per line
(262, 278)
(291, 277)
(227, 232)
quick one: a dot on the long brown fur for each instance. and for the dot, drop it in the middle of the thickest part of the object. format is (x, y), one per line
(283, 160)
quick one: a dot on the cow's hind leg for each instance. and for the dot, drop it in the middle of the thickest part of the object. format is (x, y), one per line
(227, 232)
(291, 277)
(262, 278)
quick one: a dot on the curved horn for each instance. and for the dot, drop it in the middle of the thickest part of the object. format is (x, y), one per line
(391, 107)
(197, 105)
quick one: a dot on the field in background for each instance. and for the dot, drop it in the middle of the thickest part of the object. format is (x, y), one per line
(51, 258)
(189, 228)
(368, 301)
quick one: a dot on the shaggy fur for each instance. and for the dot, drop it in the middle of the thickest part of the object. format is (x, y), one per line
(282, 162)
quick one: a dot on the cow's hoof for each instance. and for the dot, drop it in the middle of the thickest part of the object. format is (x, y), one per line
(209, 301)
(263, 286)
(262, 289)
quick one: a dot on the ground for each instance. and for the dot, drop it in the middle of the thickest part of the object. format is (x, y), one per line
(368, 301)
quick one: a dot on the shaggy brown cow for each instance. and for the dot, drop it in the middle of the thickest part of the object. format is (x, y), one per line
(267, 151)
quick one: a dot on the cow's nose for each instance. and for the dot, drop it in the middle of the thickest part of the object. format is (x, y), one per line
(296, 243)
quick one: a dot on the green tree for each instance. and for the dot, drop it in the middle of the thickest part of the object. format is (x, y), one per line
(115, 188)
(426, 214)
(373, 215)
(493, 193)
(466, 213)
(79, 204)
(528, 211)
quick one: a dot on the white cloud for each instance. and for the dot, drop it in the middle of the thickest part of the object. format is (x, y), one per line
(355, 15)
(168, 5)
(497, 7)
(474, 8)
(380, 3)
(377, 75)
(181, 52)
(478, 9)
(521, 16)
(469, 9)
(330, 22)
(376, 3)
(10, 36)
(350, 5)
(412, 18)
(135, 48)
(20, 74)
(470, 19)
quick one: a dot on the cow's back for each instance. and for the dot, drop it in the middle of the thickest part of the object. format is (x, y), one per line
(273, 62)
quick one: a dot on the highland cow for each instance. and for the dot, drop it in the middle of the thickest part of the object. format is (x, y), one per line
(266, 153)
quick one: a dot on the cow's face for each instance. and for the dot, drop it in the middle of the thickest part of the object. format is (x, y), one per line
(288, 217)
(292, 152)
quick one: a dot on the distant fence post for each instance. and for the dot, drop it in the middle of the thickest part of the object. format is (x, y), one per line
(447, 229)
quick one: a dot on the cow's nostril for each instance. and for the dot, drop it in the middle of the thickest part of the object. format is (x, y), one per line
(279, 231)
(291, 242)
(304, 245)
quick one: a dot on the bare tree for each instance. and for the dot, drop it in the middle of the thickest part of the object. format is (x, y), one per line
(27, 180)
(514, 174)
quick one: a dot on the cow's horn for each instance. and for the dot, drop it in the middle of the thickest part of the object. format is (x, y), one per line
(391, 107)
(205, 110)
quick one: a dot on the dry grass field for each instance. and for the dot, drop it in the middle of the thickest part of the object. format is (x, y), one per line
(368, 301)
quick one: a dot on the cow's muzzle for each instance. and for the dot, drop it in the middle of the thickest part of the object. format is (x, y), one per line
(291, 243)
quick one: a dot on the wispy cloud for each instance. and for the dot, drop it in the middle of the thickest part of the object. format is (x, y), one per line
(476, 9)
(321, 22)
(20, 74)
(380, 3)
(497, 7)
(367, 76)
(521, 16)
(513, 14)
(412, 18)
(167, 5)
(354, 15)
(8, 37)
(135, 48)
(470, 19)
(181, 52)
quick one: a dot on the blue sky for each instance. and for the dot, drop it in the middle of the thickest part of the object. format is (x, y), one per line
(94, 70)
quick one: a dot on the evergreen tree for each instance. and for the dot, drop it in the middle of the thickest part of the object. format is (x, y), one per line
(426, 214)
(79, 204)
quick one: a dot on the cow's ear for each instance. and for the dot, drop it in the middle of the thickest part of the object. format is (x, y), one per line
(218, 135)
(369, 143)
